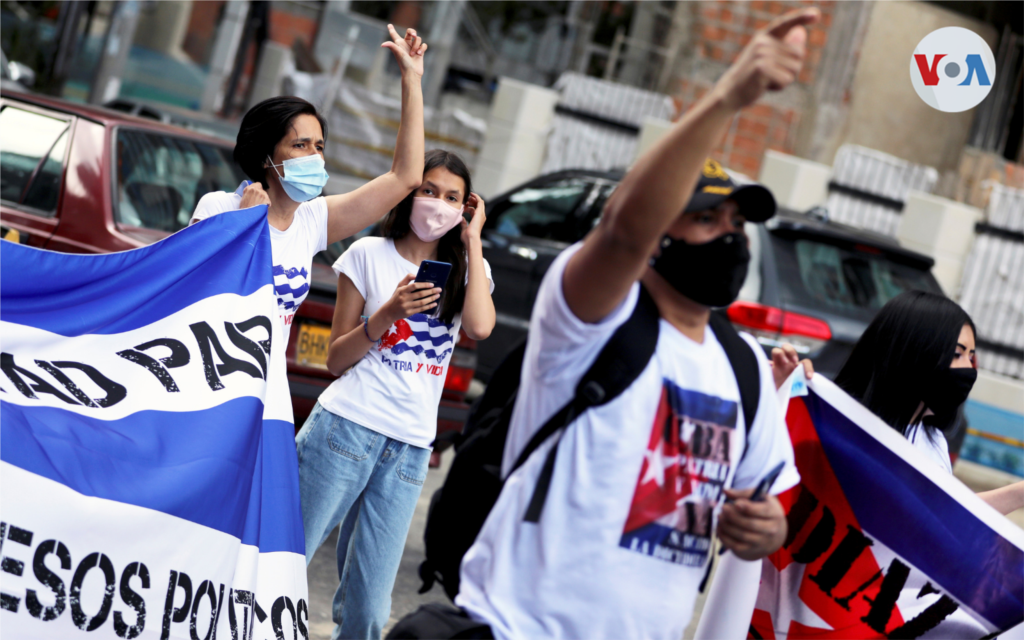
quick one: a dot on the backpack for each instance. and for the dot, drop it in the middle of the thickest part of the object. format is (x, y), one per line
(459, 508)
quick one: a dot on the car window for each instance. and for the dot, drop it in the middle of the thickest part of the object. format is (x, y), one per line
(541, 212)
(159, 178)
(26, 138)
(854, 280)
(44, 191)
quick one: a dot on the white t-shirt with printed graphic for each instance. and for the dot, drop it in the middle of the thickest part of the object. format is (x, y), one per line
(396, 387)
(292, 249)
(623, 540)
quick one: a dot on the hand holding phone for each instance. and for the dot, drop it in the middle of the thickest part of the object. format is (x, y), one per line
(766, 483)
(434, 272)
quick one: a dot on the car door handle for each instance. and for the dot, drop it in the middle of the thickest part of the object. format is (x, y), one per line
(523, 252)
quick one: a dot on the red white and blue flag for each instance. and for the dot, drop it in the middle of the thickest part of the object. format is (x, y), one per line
(881, 542)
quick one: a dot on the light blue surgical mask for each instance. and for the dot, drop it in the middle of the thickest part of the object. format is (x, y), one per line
(304, 178)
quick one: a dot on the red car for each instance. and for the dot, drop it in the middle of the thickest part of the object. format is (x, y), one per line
(85, 179)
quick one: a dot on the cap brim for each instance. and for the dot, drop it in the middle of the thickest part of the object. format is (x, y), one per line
(755, 202)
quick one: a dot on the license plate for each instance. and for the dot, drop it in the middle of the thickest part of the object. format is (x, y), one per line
(313, 344)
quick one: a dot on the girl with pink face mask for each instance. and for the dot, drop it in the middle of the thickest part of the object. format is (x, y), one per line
(364, 449)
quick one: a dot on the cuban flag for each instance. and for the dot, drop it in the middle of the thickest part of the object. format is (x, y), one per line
(882, 543)
(149, 474)
(426, 337)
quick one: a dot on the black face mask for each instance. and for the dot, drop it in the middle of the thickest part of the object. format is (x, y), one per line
(947, 390)
(710, 273)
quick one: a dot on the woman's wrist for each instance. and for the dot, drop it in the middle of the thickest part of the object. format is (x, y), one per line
(377, 325)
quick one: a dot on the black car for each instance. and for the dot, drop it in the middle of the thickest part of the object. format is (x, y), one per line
(813, 283)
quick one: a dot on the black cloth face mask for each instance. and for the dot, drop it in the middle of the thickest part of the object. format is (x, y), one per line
(710, 273)
(947, 390)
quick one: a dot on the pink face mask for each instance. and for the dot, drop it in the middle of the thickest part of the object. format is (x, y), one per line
(431, 218)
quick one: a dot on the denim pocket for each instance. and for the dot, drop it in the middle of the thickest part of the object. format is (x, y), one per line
(351, 440)
(413, 466)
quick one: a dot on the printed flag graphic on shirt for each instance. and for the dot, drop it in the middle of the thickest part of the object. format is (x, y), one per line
(420, 334)
(150, 482)
(882, 543)
(687, 462)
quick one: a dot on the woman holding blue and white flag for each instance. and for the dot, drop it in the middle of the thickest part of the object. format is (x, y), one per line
(364, 450)
(281, 148)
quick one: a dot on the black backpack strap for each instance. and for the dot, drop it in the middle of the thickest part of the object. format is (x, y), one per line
(744, 367)
(618, 364)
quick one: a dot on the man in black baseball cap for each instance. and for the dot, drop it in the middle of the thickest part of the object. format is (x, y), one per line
(710, 267)
(633, 489)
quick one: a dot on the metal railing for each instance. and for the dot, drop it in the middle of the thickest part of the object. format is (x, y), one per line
(992, 287)
(596, 123)
(868, 188)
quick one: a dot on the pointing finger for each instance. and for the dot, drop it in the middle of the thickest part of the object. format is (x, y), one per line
(782, 25)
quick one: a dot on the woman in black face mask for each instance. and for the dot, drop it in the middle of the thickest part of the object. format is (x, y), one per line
(913, 367)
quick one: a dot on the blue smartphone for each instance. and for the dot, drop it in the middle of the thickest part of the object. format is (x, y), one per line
(433, 272)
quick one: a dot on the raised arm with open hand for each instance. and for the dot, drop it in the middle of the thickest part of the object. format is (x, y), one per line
(657, 188)
(351, 212)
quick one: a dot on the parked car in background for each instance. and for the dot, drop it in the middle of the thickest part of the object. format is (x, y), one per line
(813, 283)
(178, 116)
(85, 179)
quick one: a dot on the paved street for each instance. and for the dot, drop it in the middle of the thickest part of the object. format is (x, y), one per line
(323, 573)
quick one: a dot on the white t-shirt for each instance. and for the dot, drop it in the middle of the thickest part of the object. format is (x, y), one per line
(624, 537)
(934, 446)
(395, 388)
(292, 249)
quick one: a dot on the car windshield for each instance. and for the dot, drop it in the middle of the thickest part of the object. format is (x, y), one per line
(541, 211)
(852, 280)
(160, 177)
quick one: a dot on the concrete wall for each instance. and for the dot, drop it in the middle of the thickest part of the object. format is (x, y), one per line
(885, 113)
(942, 229)
(517, 131)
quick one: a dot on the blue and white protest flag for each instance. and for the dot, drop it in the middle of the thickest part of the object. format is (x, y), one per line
(149, 475)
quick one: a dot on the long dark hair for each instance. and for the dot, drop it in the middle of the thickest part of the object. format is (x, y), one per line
(449, 248)
(911, 340)
(263, 127)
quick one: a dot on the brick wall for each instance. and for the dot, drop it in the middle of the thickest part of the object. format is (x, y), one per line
(286, 26)
(978, 170)
(202, 30)
(720, 30)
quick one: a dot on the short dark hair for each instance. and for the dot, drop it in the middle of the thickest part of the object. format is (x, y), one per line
(450, 248)
(263, 127)
(911, 340)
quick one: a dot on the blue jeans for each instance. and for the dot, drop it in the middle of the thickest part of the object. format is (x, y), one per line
(369, 483)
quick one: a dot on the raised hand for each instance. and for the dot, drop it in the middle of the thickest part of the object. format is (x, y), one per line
(771, 61)
(408, 51)
(475, 210)
(785, 360)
